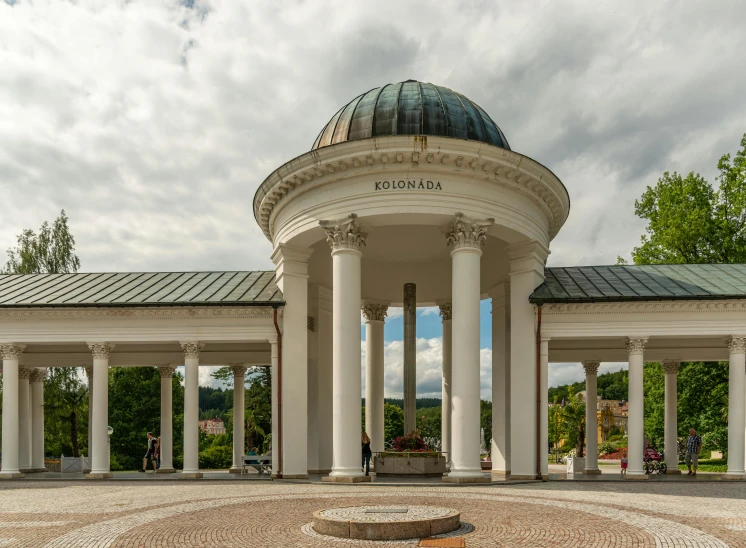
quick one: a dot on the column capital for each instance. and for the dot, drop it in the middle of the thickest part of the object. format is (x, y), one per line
(88, 371)
(24, 373)
(591, 367)
(101, 350)
(38, 374)
(737, 345)
(671, 367)
(464, 232)
(11, 351)
(166, 371)
(375, 312)
(344, 233)
(191, 349)
(239, 369)
(446, 311)
(636, 345)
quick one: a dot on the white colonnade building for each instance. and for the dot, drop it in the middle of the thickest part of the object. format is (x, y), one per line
(410, 183)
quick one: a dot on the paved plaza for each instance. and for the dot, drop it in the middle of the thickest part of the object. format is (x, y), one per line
(214, 513)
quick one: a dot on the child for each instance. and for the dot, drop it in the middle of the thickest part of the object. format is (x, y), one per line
(624, 464)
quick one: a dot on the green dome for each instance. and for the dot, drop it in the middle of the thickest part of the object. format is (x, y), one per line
(411, 108)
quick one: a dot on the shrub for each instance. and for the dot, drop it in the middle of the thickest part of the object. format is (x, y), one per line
(215, 458)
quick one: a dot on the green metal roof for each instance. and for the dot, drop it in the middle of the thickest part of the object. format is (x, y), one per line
(588, 284)
(140, 289)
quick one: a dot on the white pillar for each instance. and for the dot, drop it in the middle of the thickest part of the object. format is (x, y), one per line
(239, 422)
(544, 407)
(446, 395)
(670, 420)
(526, 274)
(346, 238)
(100, 454)
(37, 420)
(167, 421)
(466, 238)
(636, 419)
(275, 412)
(89, 375)
(736, 406)
(291, 275)
(374, 317)
(191, 409)
(320, 384)
(591, 416)
(10, 353)
(500, 380)
(24, 420)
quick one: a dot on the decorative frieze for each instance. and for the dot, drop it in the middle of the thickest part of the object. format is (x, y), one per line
(38, 375)
(11, 351)
(375, 312)
(591, 367)
(671, 367)
(345, 233)
(101, 351)
(636, 346)
(652, 307)
(192, 348)
(239, 369)
(445, 311)
(24, 373)
(466, 232)
(161, 314)
(737, 345)
(166, 371)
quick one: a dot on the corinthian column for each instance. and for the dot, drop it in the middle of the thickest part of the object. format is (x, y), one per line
(346, 238)
(670, 426)
(10, 353)
(736, 409)
(167, 421)
(374, 317)
(591, 416)
(191, 410)
(24, 420)
(37, 419)
(466, 238)
(100, 454)
(239, 422)
(445, 413)
(636, 420)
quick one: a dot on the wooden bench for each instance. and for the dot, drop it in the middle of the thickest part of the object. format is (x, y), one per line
(261, 463)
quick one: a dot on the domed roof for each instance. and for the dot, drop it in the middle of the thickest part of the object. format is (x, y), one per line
(411, 108)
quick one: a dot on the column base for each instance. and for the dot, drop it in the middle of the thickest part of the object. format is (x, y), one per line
(10, 475)
(467, 479)
(592, 472)
(345, 479)
(99, 475)
(36, 470)
(673, 471)
(525, 477)
(500, 473)
(295, 476)
(736, 476)
(235, 470)
(165, 471)
(190, 475)
(322, 471)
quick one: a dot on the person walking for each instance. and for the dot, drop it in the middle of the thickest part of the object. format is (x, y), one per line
(150, 454)
(693, 447)
(624, 463)
(366, 453)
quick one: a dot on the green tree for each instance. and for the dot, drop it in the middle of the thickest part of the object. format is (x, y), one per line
(573, 422)
(393, 422)
(65, 402)
(51, 251)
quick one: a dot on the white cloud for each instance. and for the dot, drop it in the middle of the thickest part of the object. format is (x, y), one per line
(205, 376)
(429, 311)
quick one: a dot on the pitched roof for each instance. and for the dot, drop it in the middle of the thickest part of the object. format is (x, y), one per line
(140, 289)
(641, 283)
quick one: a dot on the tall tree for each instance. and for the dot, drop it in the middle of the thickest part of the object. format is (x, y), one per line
(65, 402)
(51, 251)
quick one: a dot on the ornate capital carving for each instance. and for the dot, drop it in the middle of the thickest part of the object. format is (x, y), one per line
(24, 373)
(192, 348)
(737, 345)
(345, 233)
(239, 369)
(591, 367)
(89, 371)
(445, 311)
(671, 367)
(38, 375)
(636, 346)
(375, 312)
(11, 351)
(101, 351)
(166, 371)
(466, 232)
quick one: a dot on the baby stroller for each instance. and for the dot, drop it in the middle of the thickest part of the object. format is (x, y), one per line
(653, 461)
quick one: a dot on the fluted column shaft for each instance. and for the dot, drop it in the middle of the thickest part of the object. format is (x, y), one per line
(191, 409)
(591, 416)
(167, 419)
(736, 406)
(89, 375)
(37, 419)
(24, 420)
(100, 453)
(374, 315)
(670, 418)
(544, 406)
(446, 394)
(10, 354)
(636, 419)
(239, 420)
(275, 409)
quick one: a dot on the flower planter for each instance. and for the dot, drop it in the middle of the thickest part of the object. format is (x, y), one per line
(409, 464)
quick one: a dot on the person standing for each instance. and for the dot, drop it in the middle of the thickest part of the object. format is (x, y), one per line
(693, 447)
(366, 453)
(625, 463)
(150, 454)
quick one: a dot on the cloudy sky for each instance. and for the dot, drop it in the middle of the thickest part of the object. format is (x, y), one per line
(152, 122)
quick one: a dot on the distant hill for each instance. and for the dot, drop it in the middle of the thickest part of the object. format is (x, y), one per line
(611, 386)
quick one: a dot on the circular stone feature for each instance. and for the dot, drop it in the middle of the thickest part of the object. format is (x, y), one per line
(386, 522)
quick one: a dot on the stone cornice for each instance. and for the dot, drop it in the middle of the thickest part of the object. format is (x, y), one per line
(160, 314)
(657, 307)
(498, 166)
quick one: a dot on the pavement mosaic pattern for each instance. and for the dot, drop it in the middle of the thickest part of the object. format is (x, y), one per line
(204, 513)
